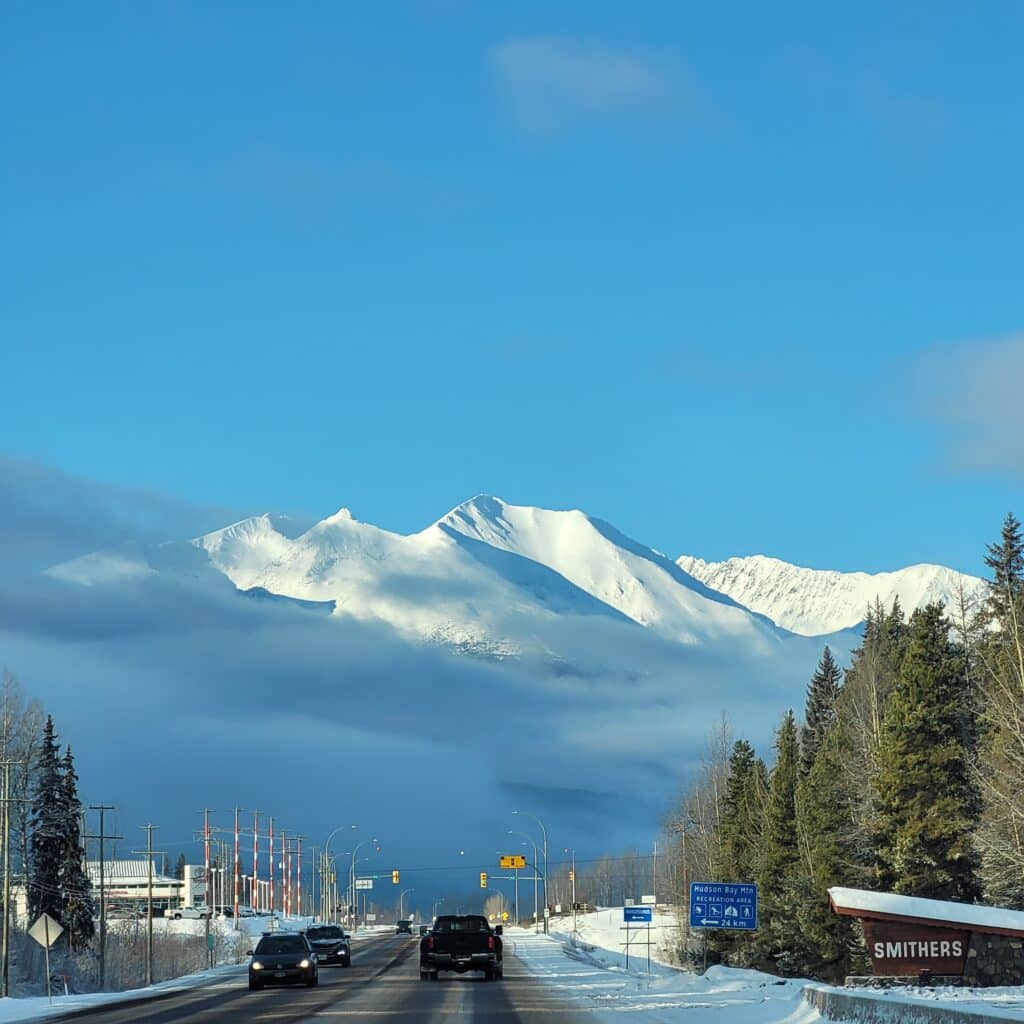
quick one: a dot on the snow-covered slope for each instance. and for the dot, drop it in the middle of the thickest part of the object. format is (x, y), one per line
(815, 602)
(487, 571)
(639, 582)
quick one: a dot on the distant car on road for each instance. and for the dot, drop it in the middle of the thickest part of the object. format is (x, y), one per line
(461, 943)
(281, 959)
(403, 927)
(331, 944)
(424, 928)
(188, 913)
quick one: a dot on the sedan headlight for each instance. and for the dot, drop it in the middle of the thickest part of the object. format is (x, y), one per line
(257, 966)
(304, 964)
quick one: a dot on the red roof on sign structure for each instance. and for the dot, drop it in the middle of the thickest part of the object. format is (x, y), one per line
(891, 906)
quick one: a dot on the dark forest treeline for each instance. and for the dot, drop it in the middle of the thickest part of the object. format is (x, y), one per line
(906, 775)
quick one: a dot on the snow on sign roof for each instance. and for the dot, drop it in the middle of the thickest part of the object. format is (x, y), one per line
(889, 906)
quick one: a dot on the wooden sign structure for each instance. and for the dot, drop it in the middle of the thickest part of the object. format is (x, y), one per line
(908, 936)
(900, 950)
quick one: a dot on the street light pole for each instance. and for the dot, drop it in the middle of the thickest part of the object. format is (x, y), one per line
(401, 903)
(326, 861)
(533, 864)
(352, 876)
(433, 912)
(544, 832)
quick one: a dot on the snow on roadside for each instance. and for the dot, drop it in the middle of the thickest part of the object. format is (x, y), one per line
(225, 977)
(598, 979)
(590, 967)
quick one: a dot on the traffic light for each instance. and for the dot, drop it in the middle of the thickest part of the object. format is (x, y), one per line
(394, 878)
(483, 879)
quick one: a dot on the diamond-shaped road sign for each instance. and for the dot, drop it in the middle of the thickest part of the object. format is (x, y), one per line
(46, 931)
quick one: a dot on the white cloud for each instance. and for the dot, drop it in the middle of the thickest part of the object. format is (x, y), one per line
(552, 82)
(975, 392)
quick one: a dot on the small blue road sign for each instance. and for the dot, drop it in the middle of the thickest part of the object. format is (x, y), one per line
(638, 915)
(723, 905)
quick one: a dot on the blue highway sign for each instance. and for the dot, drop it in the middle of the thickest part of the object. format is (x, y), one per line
(723, 905)
(638, 915)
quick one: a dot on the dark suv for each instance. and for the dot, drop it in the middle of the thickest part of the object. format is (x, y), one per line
(283, 958)
(330, 943)
(403, 927)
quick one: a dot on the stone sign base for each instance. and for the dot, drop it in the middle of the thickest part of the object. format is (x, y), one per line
(905, 981)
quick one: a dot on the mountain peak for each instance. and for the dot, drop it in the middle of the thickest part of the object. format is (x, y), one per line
(815, 602)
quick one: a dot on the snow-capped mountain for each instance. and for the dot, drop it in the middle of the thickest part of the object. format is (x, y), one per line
(815, 602)
(488, 572)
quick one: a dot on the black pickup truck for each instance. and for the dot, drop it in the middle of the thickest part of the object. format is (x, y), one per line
(463, 943)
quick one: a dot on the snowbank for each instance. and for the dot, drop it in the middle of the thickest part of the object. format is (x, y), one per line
(590, 969)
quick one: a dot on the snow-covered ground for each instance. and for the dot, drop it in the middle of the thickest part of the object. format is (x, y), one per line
(225, 977)
(597, 978)
(590, 968)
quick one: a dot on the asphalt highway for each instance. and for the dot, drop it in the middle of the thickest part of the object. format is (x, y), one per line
(382, 983)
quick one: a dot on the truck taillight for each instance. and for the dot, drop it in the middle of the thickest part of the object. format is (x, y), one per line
(430, 942)
(490, 942)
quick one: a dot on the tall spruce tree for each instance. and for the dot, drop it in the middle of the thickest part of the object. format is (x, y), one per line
(820, 713)
(1006, 560)
(740, 832)
(826, 945)
(738, 852)
(780, 854)
(48, 835)
(76, 888)
(179, 867)
(926, 804)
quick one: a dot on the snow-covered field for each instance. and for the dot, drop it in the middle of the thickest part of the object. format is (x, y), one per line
(590, 968)
(227, 976)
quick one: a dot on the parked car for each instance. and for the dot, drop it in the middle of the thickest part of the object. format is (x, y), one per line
(403, 927)
(461, 943)
(283, 958)
(188, 913)
(331, 944)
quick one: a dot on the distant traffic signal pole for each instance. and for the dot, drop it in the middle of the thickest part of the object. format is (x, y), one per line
(529, 839)
(544, 832)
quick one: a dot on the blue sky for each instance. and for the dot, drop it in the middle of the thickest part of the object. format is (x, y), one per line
(736, 279)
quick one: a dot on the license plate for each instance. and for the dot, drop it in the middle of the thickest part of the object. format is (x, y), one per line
(278, 974)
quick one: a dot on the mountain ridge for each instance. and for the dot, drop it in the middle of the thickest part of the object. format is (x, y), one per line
(816, 602)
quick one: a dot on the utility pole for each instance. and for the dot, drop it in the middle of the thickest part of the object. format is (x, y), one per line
(255, 860)
(285, 873)
(148, 829)
(271, 867)
(6, 815)
(572, 878)
(235, 871)
(298, 869)
(206, 881)
(102, 837)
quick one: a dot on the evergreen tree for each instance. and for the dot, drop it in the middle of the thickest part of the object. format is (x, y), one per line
(1006, 560)
(824, 944)
(76, 888)
(780, 854)
(179, 867)
(822, 693)
(927, 806)
(46, 846)
(739, 841)
(738, 854)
